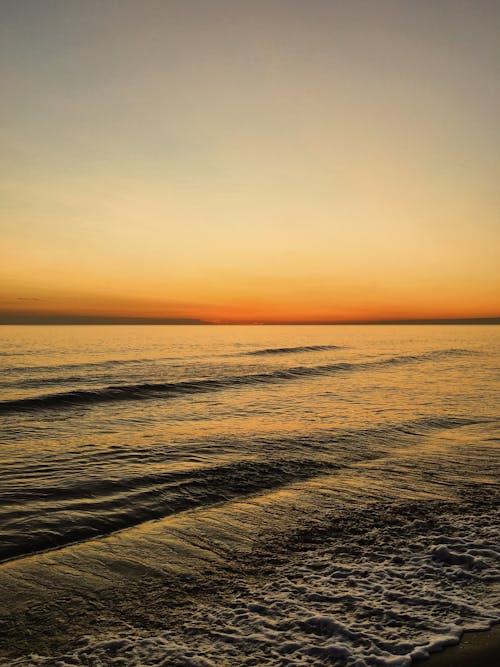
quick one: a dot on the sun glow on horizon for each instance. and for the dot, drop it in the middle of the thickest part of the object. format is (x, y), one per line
(250, 162)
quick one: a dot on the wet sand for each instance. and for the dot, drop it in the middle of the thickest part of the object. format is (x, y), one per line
(476, 649)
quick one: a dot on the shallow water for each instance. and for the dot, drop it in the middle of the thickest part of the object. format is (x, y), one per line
(247, 495)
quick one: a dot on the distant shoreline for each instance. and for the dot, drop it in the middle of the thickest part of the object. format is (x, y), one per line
(24, 321)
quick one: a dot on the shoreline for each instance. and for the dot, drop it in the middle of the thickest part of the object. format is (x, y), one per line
(476, 648)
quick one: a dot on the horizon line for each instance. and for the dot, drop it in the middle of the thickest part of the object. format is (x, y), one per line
(74, 320)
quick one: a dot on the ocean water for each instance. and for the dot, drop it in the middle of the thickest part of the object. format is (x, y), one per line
(222, 496)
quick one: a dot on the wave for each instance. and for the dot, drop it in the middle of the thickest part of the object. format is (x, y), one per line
(149, 390)
(357, 600)
(50, 508)
(378, 584)
(292, 350)
(107, 363)
(53, 516)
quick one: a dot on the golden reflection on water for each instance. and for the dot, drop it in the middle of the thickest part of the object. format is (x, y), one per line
(191, 487)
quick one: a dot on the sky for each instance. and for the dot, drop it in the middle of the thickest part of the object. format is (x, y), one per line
(249, 161)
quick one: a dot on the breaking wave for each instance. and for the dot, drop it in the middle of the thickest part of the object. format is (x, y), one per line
(383, 596)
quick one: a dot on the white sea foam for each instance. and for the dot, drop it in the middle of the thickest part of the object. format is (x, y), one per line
(386, 597)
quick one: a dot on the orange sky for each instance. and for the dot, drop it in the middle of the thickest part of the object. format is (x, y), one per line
(250, 162)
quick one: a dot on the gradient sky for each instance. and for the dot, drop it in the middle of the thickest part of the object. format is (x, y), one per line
(248, 160)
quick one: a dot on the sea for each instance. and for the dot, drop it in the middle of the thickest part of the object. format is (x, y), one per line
(225, 496)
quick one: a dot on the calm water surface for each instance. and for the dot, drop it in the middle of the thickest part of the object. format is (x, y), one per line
(246, 495)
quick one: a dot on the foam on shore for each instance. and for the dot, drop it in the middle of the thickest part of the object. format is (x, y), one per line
(388, 597)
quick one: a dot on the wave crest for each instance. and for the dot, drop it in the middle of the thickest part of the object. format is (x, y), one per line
(293, 350)
(150, 390)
